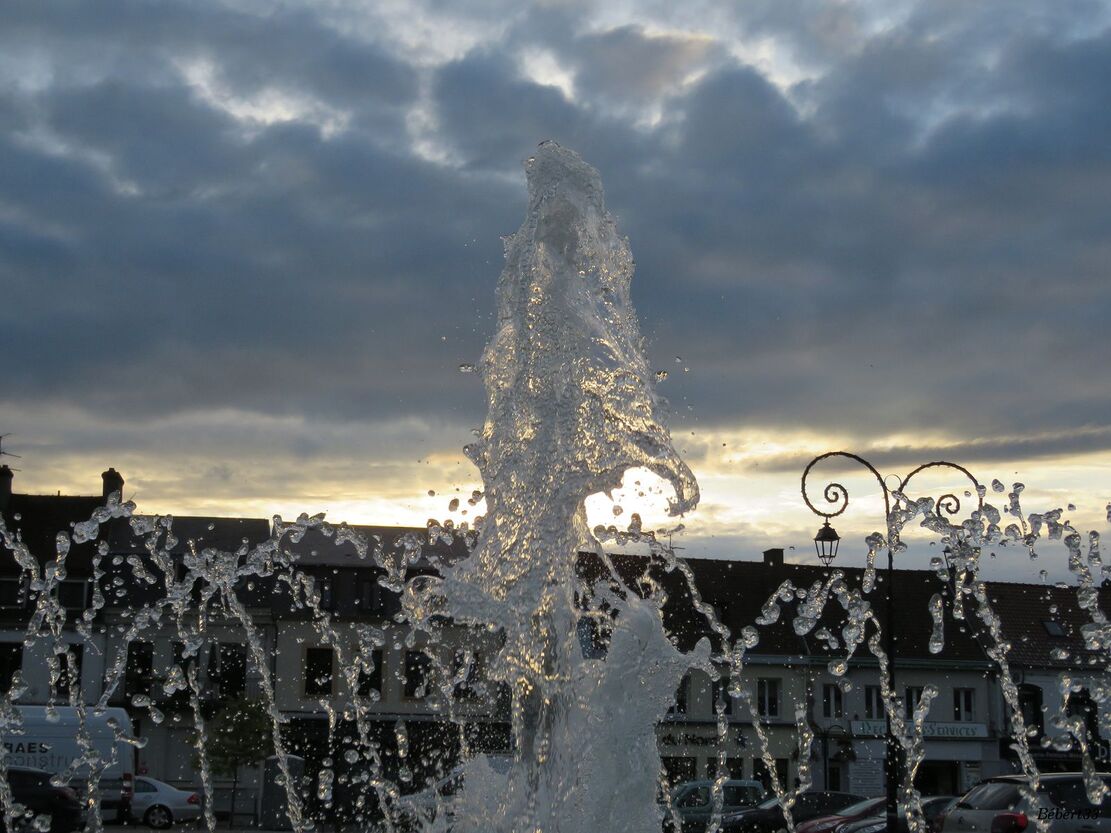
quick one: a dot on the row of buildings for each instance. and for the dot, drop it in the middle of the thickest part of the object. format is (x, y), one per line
(400, 677)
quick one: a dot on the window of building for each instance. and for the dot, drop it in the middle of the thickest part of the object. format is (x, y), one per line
(736, 768)
(227, 668)
(1053, 628)
(185, 662)
(324, 587)
(1081, 704)
(467, 669)
(11, 663)
(964, 704)
(1030, 705)
(832, 701)
(767, 697)
(833, 777)
(11, 593)
(418, 673)
(70, 668)
(873, 703)
(679, 770)
(761, 774)
(913, 695)
(73, 594)
(319, 672)
(367, 593)
(179, 699)
(139, 670)
(723, 700)
(592, 642)
(376, 600)
(682, 696)
(370, 679)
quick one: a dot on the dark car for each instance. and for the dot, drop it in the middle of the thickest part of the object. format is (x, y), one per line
(768, 817)
(833, 822)
(998, 806)
(32, 789)
(693, 802)
(933, 809)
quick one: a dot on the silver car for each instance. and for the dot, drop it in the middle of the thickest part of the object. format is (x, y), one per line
(159, 805)
(997, 806)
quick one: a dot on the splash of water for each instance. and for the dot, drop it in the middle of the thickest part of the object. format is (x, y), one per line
(571, 407)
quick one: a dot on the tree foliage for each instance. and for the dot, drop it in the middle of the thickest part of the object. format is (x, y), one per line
(239, 735)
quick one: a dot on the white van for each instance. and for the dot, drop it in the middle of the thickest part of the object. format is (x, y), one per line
(53, 745)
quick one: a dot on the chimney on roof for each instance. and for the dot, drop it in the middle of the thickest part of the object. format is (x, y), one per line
(774, 557)
(113, 482)
(5, 486)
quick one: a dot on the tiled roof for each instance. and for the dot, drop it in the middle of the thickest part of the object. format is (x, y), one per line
(1040, 621)
(738, 591)
(39, 518)
(225, 534)
(315, 549)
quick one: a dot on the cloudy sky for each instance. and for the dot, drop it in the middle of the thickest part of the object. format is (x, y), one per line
(245, 246)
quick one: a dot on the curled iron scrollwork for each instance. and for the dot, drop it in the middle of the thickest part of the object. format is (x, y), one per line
(836, 493)
(948, 503)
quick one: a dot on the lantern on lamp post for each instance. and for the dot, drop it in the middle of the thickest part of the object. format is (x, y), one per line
(825, 543)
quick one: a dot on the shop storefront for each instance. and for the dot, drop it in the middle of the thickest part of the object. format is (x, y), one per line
(689, 752)
(957, 755)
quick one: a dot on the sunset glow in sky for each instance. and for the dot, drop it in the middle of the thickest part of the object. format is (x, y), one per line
(245, 247)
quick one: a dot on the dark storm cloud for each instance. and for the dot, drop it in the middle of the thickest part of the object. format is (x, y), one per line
(208, 208)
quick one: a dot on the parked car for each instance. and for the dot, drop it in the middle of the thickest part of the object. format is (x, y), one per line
(933, 809)
(833, 822)
(435, 805)
(997, 806)
(943, 811)
(768, 816)
(51, 738)
(159, 805)
(693, 802)
(32, 789)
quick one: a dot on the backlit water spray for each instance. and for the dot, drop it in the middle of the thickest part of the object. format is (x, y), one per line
(572, 407)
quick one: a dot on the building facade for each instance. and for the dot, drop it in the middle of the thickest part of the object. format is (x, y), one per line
(348, 668)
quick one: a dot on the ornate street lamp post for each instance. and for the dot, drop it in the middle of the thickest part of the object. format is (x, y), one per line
(825, 544)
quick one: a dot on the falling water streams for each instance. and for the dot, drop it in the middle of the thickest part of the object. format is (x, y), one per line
(572, 408)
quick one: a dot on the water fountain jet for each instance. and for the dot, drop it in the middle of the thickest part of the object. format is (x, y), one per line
(571, 407)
